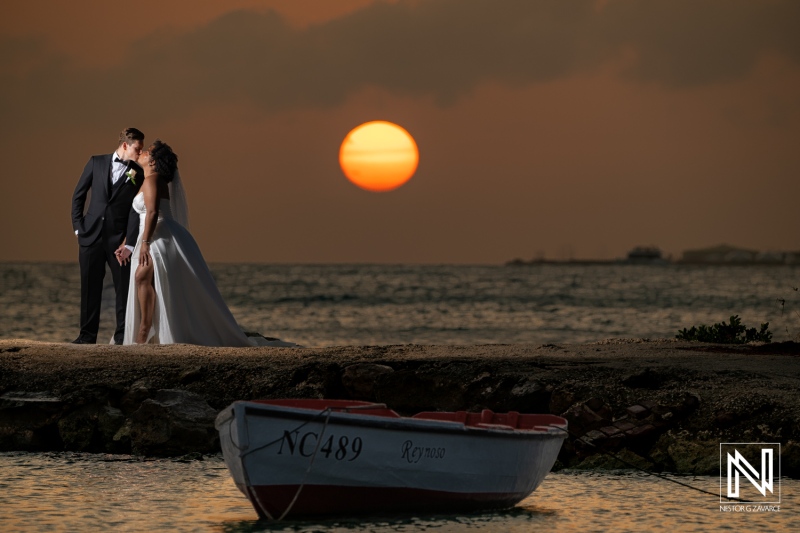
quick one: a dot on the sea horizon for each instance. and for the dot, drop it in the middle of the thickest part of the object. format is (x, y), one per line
(352, 303)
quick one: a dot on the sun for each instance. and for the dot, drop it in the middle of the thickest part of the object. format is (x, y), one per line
(379, 156)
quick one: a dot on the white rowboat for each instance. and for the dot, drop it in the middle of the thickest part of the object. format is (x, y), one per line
(334, 457)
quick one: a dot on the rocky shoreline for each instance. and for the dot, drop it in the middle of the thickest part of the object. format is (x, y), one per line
(661, 405)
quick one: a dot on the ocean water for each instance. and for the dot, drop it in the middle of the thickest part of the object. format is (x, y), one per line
(88, 492)
(326, 305)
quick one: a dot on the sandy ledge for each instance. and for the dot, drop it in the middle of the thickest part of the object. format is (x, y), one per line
(660, 404)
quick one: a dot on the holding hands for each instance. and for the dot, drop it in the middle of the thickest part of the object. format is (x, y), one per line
(123, 254)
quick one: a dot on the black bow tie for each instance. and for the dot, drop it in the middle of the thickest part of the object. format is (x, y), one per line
(118, 160)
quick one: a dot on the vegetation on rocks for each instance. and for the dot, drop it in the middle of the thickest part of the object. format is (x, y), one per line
(722, 333)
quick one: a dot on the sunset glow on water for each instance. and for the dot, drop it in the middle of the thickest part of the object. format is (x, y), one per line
(339, 305)
(86, 492)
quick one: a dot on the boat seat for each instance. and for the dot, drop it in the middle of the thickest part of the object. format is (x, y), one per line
(494, 426)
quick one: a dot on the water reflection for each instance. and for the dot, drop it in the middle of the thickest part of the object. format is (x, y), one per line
(82, 492)
(339, 305)
(487, 521)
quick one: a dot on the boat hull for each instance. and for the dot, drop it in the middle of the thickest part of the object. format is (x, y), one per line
(327, 463)
(329, 500)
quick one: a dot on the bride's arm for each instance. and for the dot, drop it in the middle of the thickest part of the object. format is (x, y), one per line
(150, 190)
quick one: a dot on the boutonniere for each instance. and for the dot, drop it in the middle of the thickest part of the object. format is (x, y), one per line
(131, 174)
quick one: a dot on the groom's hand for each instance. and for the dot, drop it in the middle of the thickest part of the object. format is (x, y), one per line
(123, 255)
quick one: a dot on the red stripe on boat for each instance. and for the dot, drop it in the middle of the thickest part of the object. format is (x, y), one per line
(338, 500)
(485, 418)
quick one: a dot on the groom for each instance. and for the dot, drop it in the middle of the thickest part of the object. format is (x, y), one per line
(114, 180)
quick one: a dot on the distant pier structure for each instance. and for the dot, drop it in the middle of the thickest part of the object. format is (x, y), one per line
(722, 254)
(646, 255)
(725, 254)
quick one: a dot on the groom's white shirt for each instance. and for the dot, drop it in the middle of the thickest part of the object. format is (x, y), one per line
(117, 168)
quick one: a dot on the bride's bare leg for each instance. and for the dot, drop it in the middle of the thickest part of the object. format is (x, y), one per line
(146, 292)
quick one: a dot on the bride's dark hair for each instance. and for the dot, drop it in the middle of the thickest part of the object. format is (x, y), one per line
(164, 160)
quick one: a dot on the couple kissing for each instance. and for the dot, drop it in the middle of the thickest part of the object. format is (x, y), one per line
(136, 222)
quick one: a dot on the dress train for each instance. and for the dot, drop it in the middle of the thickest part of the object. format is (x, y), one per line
(189, 308)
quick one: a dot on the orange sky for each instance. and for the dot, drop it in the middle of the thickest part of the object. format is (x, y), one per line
(565, 128)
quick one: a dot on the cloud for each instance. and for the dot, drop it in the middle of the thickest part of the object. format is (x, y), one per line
(683, 43)
(440, 49)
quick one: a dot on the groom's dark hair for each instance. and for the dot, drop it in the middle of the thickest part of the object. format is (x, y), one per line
(130, 136)
(164, 159)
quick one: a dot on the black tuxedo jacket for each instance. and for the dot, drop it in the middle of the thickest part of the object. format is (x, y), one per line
(110, 215)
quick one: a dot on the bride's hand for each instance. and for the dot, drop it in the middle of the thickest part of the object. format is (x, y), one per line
(144, 254)
(122, 254)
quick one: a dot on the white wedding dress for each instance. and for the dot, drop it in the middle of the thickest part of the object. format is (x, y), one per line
(188, 306)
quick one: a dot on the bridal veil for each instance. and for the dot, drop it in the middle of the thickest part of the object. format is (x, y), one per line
(177, 200)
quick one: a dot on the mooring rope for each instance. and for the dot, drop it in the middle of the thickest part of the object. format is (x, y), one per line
(301, 426)
(655, 474)
(310, 464)
(327, 412)
(252, 491)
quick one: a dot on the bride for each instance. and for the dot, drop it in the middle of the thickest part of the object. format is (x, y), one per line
(172, 296)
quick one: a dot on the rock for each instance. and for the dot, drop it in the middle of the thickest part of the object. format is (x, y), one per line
(91, 428)
(526, 388)
(317, 380)
(650, 405)
(123, 435)
(637, 411)
(191, 375)
(174, 422)
(725, 419)
(77, 429)
(525, 396)
(623, 425)
(610, 430)
(661, 412)
(646, 379)
(690, 403)
(135, 395)
(594, 436)
(92, 381)
(790, 459)
(189, 457)
(596, 441)
(93, 393)
(28, 421)
(599, 406)
(640, 432)
(686, 455)
(110, 422)
(410, 392)
(625, 459)
(582, 418)
(560, 401)
(615, 442)
(359, 380)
